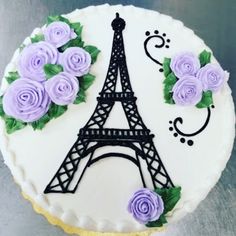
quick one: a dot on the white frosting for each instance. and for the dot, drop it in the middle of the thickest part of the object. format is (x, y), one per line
(101, 199)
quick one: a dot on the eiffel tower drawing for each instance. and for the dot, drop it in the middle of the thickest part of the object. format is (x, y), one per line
(93, 135)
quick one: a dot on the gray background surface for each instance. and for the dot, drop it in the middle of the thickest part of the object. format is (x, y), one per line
(212, 20)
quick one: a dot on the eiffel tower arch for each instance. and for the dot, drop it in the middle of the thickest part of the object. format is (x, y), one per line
(94, 136)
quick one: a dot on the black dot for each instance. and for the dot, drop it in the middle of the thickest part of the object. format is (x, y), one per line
(182, 140)
(147, 33)
(167, 46)
(164, 35)
(190, 142)
(212, 106)
(161, 70)
(170, 122)
(168, 40)
(175, 134)
(156, 32)
(171, 129)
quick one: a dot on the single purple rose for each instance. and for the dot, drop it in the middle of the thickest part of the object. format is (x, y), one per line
(62, 88)
(58, 33)
(146, 206)
(26, 100)
(184, 64)
(34, 57)
(187, 91)
(212, 77)
(75, 61)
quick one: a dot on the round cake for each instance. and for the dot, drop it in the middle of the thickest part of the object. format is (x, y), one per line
(115, 119)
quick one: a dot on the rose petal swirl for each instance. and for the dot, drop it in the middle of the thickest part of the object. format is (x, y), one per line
(26, 100)
(187, 91)
(75, 61)
(62, 88)
(146, 206)
(58, 33)
(212, 77)
(34, 57)
(185, 63)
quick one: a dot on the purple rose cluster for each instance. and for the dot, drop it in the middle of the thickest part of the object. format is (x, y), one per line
(193, 79)
(29, 97)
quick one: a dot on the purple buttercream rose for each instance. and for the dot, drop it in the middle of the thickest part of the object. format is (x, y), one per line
(146, 206)
(62, 88)
(187, 91)
(34, 57)
(58, 33)
(212, 77)
(184, 64)
(75, 61)
(26, 100)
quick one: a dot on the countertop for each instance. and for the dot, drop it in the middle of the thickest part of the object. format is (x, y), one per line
(212, 20)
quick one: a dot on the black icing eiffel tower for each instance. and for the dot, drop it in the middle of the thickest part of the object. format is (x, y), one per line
(94, 135)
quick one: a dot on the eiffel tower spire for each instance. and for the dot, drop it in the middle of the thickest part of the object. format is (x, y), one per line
(94, 135)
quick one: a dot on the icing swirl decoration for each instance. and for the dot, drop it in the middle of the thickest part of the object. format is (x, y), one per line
(59, 33)
(52, 72)
(76, 61)
(34, 57)
(26, 100)
(62, 88)
(145, 206)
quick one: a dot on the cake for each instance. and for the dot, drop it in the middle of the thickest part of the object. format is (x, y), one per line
(115, 119)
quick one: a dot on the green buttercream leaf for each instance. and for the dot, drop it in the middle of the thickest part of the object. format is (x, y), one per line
(56, 110)
(77, 42)
(170, 197)
(13, 125)
(169, 83)
(86, 81)
(166, 66)
(158, 223)
(206, 100)
(77, 28)
(93, 51)
(81, 96)
(51, 19)
(39, 124)
(12, 76)
(37, 38)
(51, 69)
(2, 113)
(205, 58)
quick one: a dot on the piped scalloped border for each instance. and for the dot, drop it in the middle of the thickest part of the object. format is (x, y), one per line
(41, 204)
(75, 230)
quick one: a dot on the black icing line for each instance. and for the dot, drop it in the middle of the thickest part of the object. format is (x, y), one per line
(180, 120)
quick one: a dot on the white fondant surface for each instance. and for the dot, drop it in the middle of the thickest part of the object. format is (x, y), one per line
(101, 199)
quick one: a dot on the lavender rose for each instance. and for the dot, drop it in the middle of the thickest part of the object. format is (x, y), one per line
(185, 64)
(34, 57)
(75, 61)
(26, 100)
(62, 88)
(187, 91)
(212, 77)
(58, 33)
(146, 206)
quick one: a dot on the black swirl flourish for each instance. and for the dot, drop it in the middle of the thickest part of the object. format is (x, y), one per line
(177, 130)
(161, 42)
